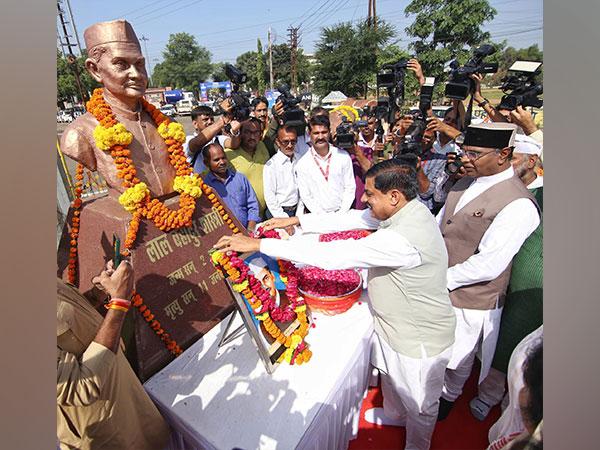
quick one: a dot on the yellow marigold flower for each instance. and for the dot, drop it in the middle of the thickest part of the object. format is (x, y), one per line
(287, 355)
(188, 184)
(132, 197)
(108, 137)
(295, 341)
(172, 131)
(216, 257)
(239, 287)
(263, 316)
(300, 308)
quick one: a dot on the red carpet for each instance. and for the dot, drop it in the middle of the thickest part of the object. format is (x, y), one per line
(460, 430)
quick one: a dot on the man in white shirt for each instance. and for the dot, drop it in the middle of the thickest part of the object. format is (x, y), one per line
(407, 264)
(279, 179)
(324, 174)
(488, 215)
(523, 310)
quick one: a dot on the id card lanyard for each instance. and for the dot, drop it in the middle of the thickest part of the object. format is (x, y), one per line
(325, 172)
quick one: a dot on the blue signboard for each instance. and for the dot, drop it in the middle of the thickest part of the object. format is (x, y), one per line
(173, 96)
(271, 96)
(204, 87)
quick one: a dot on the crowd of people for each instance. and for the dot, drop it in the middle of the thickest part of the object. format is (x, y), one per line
(455, 264)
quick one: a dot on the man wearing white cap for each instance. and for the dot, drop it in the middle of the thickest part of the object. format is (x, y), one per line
(523, 308)
(488, 215)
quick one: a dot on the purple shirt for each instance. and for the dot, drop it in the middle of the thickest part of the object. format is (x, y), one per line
(359, 176)
(238, 195)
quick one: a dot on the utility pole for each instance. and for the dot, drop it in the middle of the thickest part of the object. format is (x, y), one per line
(372, 17)
(65, 42)
(270, 61)
(145, 39)
(294, 55)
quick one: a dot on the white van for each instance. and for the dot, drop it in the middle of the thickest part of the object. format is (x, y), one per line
(184, 107)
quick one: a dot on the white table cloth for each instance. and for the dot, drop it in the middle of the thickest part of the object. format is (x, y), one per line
(224, 398)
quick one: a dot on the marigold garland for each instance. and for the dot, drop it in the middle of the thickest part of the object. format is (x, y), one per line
(112, 136)
(76, 205)
(263, 305)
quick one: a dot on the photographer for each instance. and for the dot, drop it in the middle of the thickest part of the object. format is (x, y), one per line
(519, 116)
(260, 110)
(494, 114)
(208, 131)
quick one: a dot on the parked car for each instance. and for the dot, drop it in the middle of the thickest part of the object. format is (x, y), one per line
(168, 110)
(64, 117)
(184, 107)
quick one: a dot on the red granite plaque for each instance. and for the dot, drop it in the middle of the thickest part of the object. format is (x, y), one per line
(173, 274)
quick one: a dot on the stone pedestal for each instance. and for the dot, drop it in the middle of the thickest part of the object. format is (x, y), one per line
(173, 274)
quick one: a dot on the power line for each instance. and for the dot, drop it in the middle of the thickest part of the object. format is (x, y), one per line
(160, 16)
(146, 13)
(139, 9)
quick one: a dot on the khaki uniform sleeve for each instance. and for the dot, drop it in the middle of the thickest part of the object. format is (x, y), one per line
(80, 382)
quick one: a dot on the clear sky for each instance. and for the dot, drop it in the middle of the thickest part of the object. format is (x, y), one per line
(230, 28)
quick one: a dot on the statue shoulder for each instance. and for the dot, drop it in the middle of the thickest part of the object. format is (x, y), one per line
(77, 140)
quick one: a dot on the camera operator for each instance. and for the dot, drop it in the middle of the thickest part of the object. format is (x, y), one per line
(277, 121)
(208, 131)
(519, 116)
(260, 110)
(495, 114)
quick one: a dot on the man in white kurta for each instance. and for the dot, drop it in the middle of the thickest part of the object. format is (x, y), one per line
(488, 214)
(324, 173)
(407, 264)
(279, 178)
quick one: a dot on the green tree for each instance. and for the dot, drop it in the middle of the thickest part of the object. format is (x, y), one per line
(218, 72)
(66, 85)
(446, 29)
(346, 56)
(185, 63)
(509, 55)
(246, 62)
(282, 68)
(260, 68)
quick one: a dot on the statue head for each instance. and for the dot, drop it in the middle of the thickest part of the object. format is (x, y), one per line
(115, 59)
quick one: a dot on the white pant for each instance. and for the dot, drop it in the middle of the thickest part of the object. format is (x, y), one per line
(475, 330)
(491, 389)
(411, 390)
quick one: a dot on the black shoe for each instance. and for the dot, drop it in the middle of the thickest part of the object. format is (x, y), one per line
(445, 408)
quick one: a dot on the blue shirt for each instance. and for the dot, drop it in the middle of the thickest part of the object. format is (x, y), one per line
(238, 195)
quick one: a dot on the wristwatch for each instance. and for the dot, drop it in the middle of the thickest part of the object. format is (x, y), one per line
(483, 103)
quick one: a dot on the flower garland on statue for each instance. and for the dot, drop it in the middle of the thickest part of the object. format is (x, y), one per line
(113, 137)
(263, 304)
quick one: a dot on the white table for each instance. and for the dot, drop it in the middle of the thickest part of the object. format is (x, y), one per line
(224, 398)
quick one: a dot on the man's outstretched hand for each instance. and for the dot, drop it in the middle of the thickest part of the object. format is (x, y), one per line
(279, 222)
(238, 243)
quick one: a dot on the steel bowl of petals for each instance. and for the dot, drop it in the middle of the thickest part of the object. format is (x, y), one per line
(329, 292)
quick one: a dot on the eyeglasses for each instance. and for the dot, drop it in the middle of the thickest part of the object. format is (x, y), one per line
(474, 156)
(288, 143)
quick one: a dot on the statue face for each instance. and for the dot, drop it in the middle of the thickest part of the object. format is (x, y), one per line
(122, 71)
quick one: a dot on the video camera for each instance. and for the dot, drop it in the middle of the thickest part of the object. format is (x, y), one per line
(524, 90)
(293, 115)
(391, 77)
(345, 131)
(240, 101)
(411, 141)
(459, 84)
